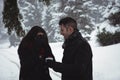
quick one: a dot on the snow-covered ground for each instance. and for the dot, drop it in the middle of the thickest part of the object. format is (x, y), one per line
(106, 65)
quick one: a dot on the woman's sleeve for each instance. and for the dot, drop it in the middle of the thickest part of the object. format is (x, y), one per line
(49, 52)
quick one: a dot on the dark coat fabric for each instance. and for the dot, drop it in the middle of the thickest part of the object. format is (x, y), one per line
(77, 59)
(32, 59)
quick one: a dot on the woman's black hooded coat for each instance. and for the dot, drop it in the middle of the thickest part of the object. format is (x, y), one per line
(32, 59)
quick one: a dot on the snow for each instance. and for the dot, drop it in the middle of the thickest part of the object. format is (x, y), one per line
(106, 64)
(109, 28)
(9, 63)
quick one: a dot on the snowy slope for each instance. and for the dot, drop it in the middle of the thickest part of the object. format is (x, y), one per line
(106, 64)
(9, 64)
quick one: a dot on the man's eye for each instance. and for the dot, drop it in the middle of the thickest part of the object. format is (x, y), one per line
(61, 30)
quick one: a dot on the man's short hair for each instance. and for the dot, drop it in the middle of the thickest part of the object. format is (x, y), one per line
(68, 21)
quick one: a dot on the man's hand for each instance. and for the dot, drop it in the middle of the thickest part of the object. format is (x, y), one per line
(50, 62)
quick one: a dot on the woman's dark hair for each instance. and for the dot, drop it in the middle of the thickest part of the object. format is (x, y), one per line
(32, 34)
(68, 21)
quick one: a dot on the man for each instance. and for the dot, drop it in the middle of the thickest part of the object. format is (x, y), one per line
(77, 56)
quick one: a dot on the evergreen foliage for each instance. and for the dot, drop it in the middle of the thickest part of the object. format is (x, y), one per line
(106, 38)
(114, 18)
(110, 34)
(11, 17)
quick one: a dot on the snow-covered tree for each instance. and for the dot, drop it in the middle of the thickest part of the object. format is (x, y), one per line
(51, 19)
(31, 12)
(78, 10)
(109, 30)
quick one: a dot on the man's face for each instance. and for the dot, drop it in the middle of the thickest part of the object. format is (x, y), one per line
(66, 32)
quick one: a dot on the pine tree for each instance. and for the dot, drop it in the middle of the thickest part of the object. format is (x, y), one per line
(11, 17)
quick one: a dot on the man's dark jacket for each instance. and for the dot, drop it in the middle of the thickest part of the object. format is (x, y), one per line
(77, 59)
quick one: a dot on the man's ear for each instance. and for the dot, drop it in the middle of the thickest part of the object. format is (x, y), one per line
(71, 29)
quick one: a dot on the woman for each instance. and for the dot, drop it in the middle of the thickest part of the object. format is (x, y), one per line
(32, 51)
